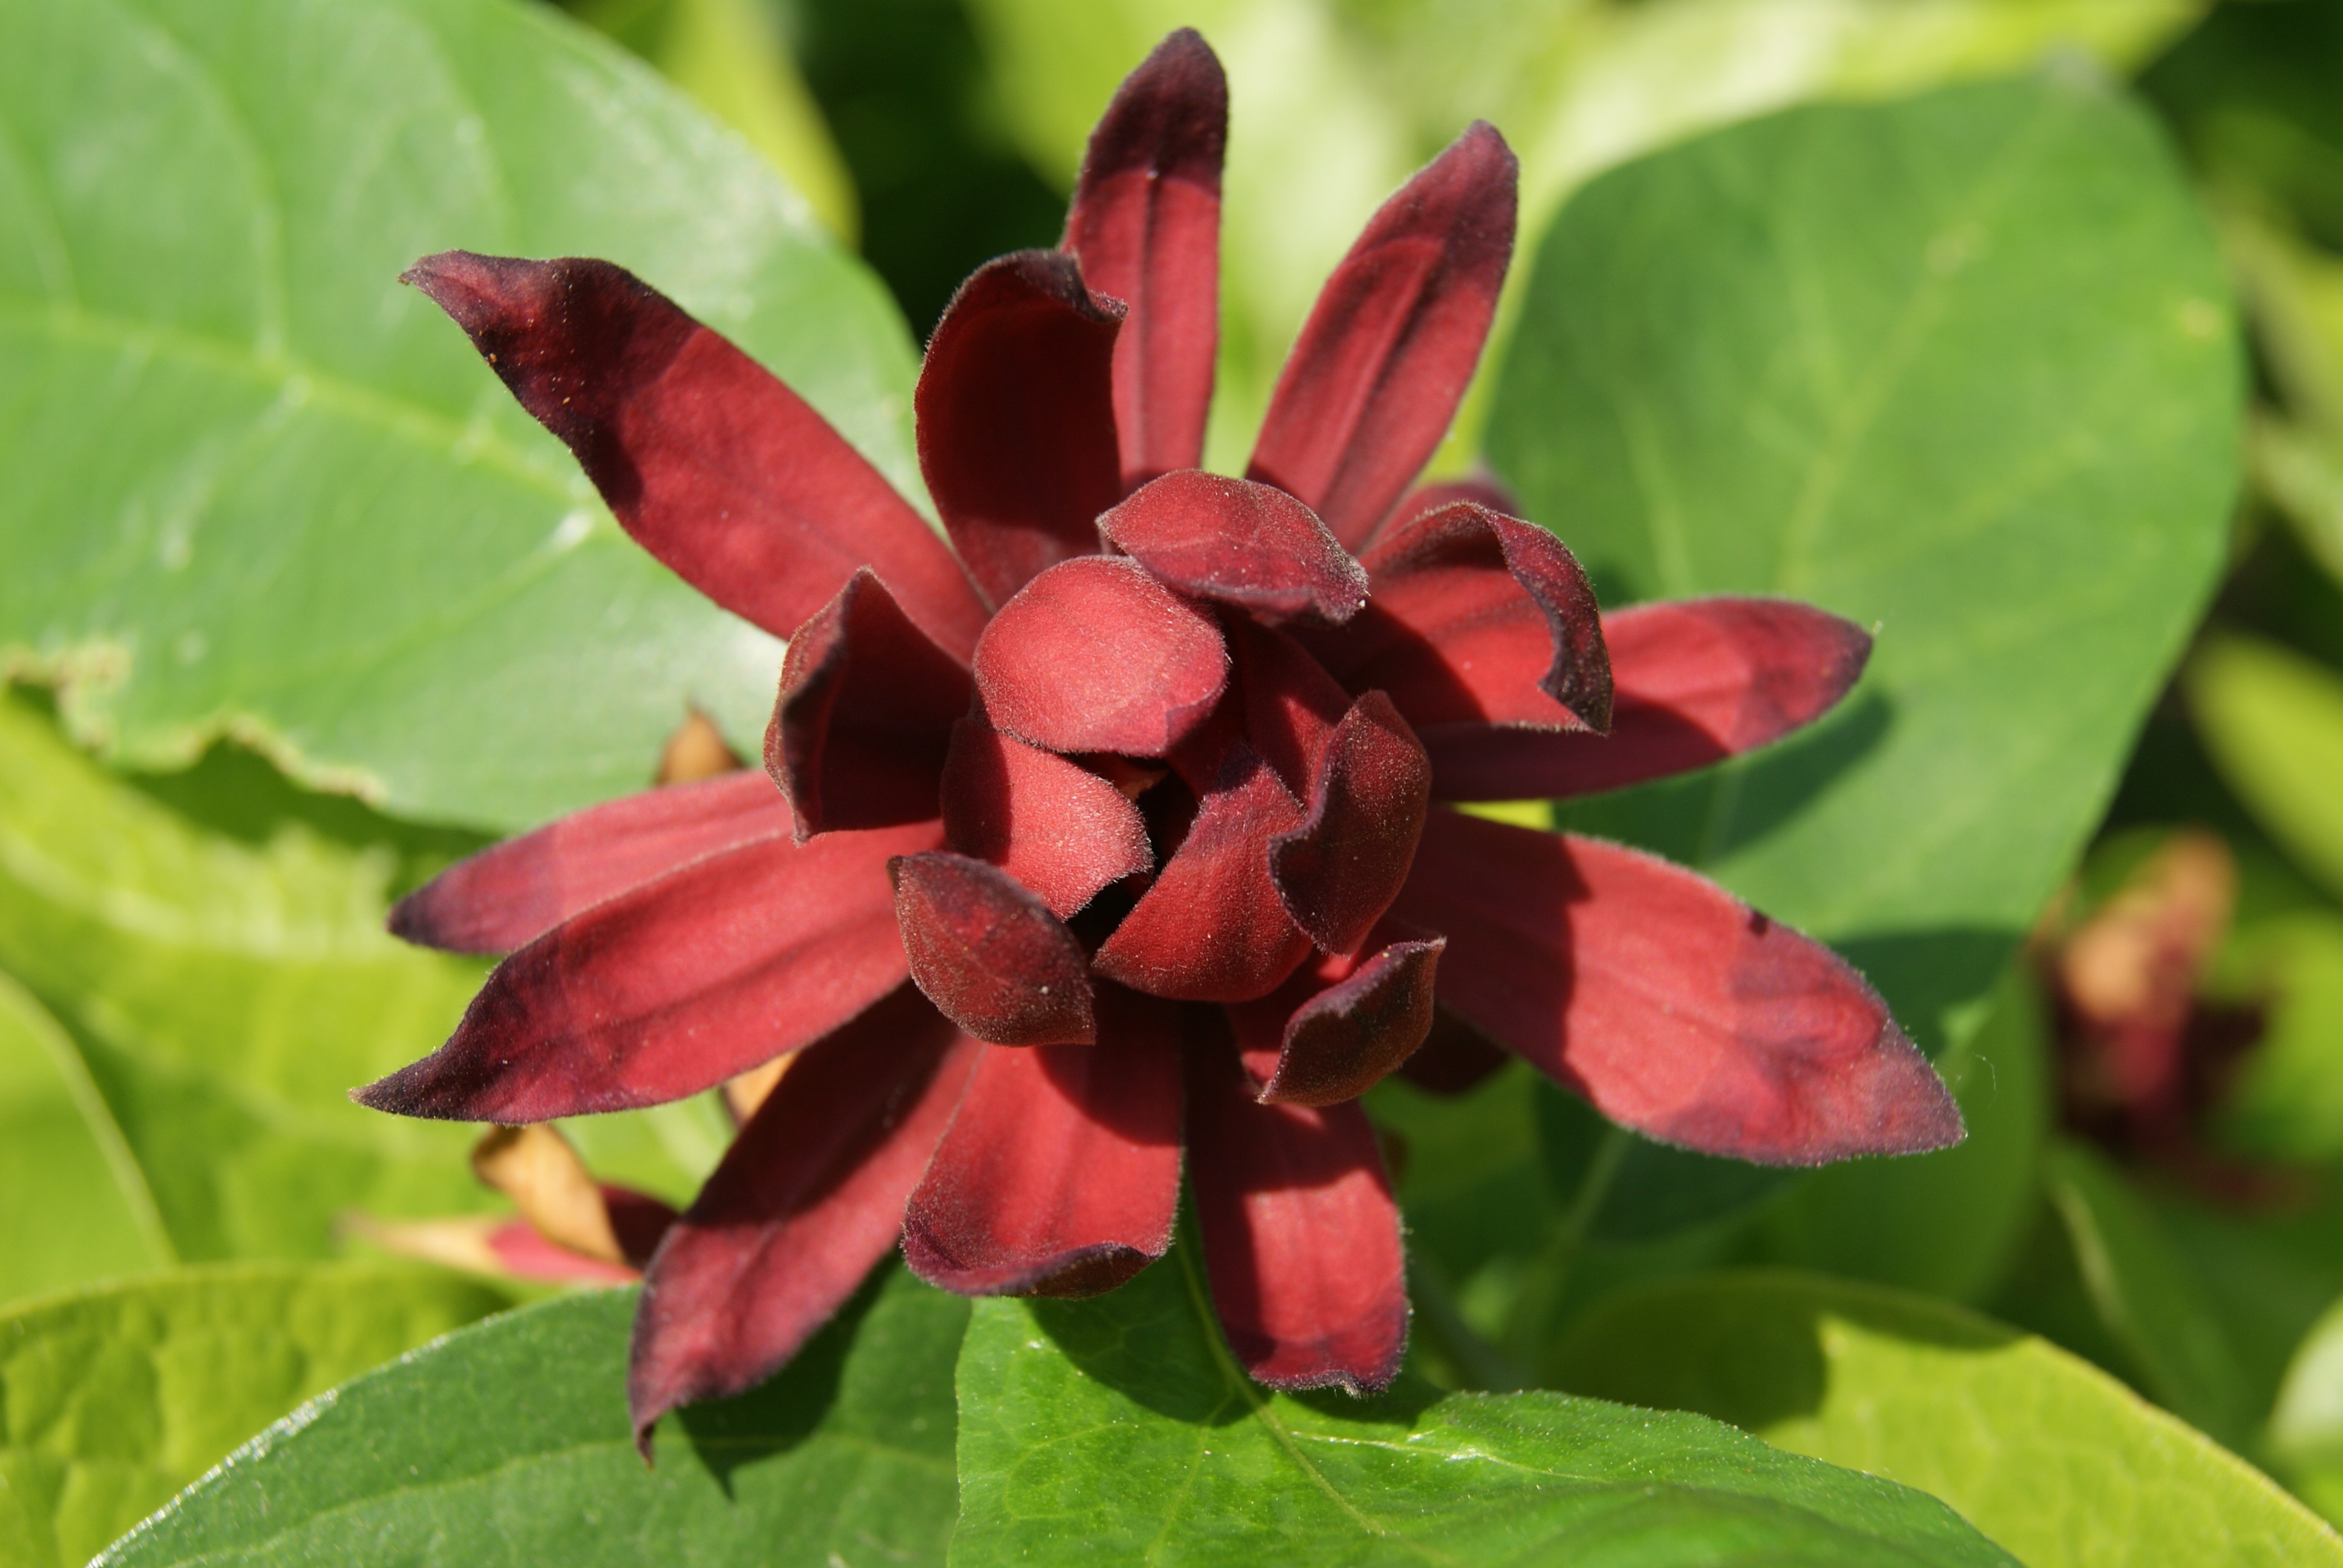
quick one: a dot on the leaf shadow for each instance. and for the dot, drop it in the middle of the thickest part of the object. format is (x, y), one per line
(726, 1435)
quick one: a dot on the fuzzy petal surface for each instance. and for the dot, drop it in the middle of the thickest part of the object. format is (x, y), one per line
(1060, 1173)
(1476, 618)
(1097, 656)
(1694, 680)
(1342, 867)
(1673, 1007)
(1311, 1042)
(1383, 360)
(807, 1198)
(1302, 1237)
(989, 953)
(1146, 225)
(1212, 927)
(1055, 826)
(674, 986)
(1016, 417)
(1238, 543)
(1290, 704)
(507, 895)
(711, 463)
(864, 716)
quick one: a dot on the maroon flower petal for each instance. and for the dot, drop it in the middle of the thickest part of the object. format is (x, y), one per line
(713, 464)
(673, 986)
(1016, 417)
(989, 954)
(503, 897)
(1146, 225)
(1441, 494)
(1057, 827)
(1340, 869)
(1212, 927)
(1340, 1041)
(1454, 1056)
(1476, 618)
(1098, 656)
(809, 1197)
(865, 713)
(1696, 680)
(1290, 704)
(1390, 347)
(1301, 1238)
(1673, 1007)
(1060, 1173)
(1241, 544)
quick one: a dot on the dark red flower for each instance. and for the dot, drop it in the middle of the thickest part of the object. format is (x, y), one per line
(1110, 829)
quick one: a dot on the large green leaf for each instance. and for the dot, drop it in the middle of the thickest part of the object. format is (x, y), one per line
(255, 486)
(509, 1443)
(114, 1399)
(73, 1205)
(1120, 1430)
(2306, 1429)
(2273, 723)
(1962, 368)
(2047, 1456)
(1334, 102)
(222, 995)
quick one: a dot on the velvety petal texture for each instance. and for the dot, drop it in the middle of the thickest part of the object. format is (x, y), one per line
(989, 953)
(1321, 1038)
(504, 897)
(809, 1197)
(1694, 681)
(1060, 1173)
(1341, 868)
(1098, 656)
(1383, 360)
(674, 986)
(1213, 927)
(864, 716)
(1477, 618)
(1238, 543)
(1302, 1237)
(1016, 417)
(713, 464)
(1145, 225)
(1060, 829)
(1675, 1008)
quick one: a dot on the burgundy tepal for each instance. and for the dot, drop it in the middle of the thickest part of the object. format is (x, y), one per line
(1114, 828)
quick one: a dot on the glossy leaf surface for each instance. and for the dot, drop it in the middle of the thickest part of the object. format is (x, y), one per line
(510, 1442)
(1119, 1427)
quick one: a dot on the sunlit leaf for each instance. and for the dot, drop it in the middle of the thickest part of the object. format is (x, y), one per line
(2044, 1454)
(255, 486)
(2272, 721)
(1120, 1429)
(509, 1443)
(115, 1398)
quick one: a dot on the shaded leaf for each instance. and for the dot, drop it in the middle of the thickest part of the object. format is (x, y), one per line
(2286, 1101)
(263, 488)
(1119, 1427)
(2046, 1454)
(510, 1442)
(2272, 721)
(116, 1398)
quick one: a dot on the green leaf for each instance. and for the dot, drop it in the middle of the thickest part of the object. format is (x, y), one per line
(257, 486)
(2147, 1298)
(221, 996)
(1947, 1224)
(2272, 721)
(2286, 1101)
(116, 1398)
(1961, 368)
(73, 1205)
(1119, 1430)
(509, 1443)
(2306, 1429)
(2047, 1456)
